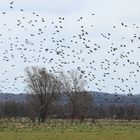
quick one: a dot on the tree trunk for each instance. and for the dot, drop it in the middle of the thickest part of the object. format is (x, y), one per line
(42, 116)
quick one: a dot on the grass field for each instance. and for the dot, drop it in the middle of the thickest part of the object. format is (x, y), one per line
(11, 129)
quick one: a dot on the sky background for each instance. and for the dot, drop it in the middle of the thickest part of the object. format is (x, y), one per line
(98, 18)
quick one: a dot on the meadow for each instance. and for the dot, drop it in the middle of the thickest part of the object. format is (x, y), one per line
(23, 129)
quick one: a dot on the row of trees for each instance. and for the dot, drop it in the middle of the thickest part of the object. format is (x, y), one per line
(63, 111)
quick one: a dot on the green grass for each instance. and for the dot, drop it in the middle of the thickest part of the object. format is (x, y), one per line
(11, 129)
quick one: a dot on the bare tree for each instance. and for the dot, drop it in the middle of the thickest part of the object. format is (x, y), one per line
(45, 86)
(79, 99)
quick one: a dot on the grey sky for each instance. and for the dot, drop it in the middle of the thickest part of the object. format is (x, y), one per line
(108, 13)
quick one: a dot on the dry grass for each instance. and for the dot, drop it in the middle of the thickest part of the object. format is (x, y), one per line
(23, 129)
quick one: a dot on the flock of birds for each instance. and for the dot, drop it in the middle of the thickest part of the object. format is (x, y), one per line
(108, 60)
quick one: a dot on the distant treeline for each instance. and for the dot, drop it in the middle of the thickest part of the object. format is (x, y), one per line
(61, 109)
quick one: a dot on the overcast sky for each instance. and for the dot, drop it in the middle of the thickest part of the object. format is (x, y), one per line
(107, 14)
